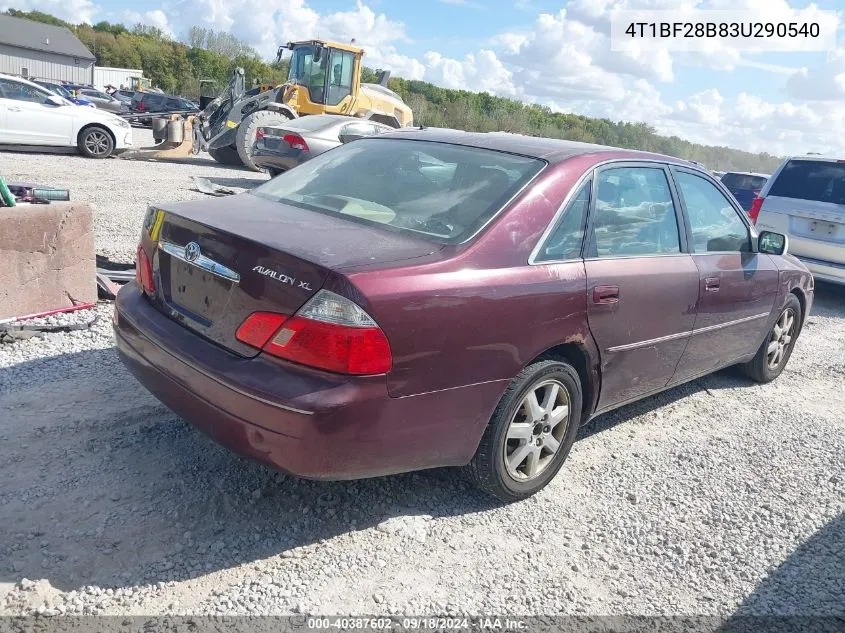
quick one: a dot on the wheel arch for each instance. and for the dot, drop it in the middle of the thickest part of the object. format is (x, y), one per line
(101, 126)
(282, 108)
(802, 301)
(577, 355)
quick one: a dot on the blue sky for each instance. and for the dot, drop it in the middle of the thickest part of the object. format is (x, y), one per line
(550, 52)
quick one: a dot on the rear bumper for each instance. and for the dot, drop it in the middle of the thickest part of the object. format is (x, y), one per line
(265, 158)
(308, 423)
(824, 271)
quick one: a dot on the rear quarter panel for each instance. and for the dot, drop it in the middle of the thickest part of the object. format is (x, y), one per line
(481, 313)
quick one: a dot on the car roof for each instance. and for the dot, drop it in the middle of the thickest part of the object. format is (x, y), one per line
(832, 158)
(548, 149)
(21, 79)
(748, 173)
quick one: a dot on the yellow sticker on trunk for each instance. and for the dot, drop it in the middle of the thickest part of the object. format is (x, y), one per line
(231, 124)
(157, 225)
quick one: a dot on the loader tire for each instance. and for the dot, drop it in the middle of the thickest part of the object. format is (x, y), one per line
(226, 155)
(245, 138)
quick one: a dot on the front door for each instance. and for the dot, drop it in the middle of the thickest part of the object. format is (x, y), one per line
(737, 287)
(31, 119)
(642, 288)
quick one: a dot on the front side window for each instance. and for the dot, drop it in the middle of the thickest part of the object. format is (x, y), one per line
(340, 80)
(564, 242)
(714, 222)
(18, 91)
(634, 214)
(437, 190)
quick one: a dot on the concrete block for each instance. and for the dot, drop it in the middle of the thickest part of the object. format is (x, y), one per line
(47, 258)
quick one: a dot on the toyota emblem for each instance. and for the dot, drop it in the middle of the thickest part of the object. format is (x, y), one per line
(192, 251)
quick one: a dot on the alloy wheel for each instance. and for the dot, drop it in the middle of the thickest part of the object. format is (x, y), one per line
(97, 142)
(781, 336)
(537, 430)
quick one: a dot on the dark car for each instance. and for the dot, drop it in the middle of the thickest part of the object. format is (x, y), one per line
(159, 103)
(283, 147)
(431, 298)
(745, 186)
(124, 95)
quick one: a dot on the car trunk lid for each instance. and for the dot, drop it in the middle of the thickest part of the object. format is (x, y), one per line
(217, 261)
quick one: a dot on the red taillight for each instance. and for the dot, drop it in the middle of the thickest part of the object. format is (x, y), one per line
(141, 106)
(754, 211)
(144, 271)
(296, 142)
(259, 327)
(259, 134)
(329, 332)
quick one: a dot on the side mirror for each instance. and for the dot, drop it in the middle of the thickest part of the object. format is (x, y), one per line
(772, 243)
(55, 100)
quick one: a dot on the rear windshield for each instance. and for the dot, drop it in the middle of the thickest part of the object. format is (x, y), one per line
(311, 123)
(744, 181)
(817, 180)
(443, 192)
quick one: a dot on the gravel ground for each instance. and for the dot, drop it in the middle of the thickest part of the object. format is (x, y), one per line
(718, 497)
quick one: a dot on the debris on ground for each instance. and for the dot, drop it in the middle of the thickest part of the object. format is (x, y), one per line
(204, 185)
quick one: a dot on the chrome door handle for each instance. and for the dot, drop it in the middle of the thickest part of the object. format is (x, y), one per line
(711, 284)
(15, 109)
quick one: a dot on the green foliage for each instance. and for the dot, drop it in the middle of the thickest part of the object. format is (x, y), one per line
(37, 16)
(177, 67)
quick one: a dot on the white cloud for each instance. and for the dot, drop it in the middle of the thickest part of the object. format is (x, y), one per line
(823, 82)
(73, 11)
(156, 18)
(481, 72)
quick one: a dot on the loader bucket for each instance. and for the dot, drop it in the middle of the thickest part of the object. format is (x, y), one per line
(177, 144)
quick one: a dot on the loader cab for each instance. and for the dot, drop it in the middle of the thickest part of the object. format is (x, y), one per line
(325, 77)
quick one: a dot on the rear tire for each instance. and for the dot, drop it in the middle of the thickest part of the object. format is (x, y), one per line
(95, 142)
(226, 155)
(524, 446)
(245, 137)
(776, 348)
(273, 171)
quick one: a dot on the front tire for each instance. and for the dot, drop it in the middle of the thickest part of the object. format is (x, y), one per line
(247, 130)
(95, 142)
(776, 348)
(530, 433)
(226, 155)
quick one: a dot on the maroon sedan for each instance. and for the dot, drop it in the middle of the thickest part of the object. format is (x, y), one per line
(438, 298)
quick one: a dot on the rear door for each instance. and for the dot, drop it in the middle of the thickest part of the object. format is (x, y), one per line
(737, 286)
(805, 199)
(642, 287)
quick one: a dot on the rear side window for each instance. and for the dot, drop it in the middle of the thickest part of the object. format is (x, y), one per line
(565, 240)
(441, 191)
(714, 222)
(822, 181)
(634, 214)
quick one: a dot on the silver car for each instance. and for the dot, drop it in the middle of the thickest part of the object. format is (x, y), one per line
(282, 147)
(102, 100)
(805, 200)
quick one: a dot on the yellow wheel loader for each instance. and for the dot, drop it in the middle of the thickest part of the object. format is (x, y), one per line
(324, 78)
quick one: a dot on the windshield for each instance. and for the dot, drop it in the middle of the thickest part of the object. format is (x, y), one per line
(744, 181)
(59, 90)
(443, 192)
(308, 72)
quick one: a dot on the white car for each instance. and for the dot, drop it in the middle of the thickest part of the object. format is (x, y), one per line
(805, 200)
(32, 115)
